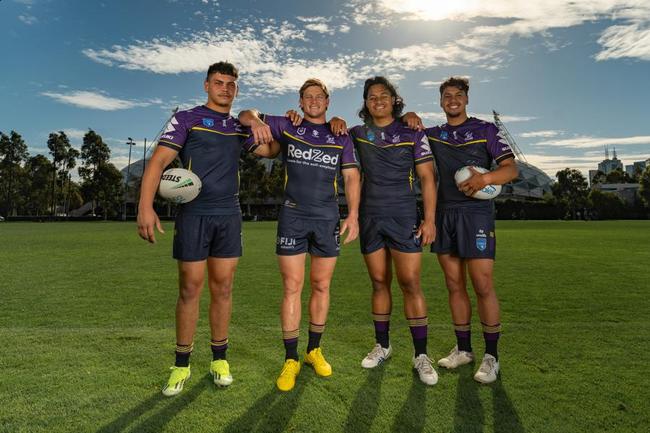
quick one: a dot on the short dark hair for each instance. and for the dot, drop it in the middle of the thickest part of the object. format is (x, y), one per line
(398, 105)
(459, 82)
(222, 68)
(314, 82)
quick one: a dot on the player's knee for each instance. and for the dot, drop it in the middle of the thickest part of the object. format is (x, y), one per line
(380, 282)
(190, 292)
(455, 285)
(292, 286)
(320, 286)
(410, 286)
(221, 289)
(484, 289)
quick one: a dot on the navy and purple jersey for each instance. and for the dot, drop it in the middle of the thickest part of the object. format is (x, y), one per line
(312, 158)
(209, 144)
(474, 142)
(388, 158)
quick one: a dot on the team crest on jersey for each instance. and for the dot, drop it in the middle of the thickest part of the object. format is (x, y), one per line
(330, 139)
(314, 133)
(396, 138)
(301, 131)
(444, 135)
(481, 240)
(469, 136)
(207, 122)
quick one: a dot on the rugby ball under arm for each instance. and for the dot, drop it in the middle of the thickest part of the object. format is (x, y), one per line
(488, 192)
(179, 185)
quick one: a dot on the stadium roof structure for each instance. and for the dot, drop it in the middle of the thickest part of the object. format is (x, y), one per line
(532, 183)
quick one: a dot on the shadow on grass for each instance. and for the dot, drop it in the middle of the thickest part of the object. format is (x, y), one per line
(506, 419)
(412, 416)
(468, 417)
(158, 420)
(364, 407)
(272, 412)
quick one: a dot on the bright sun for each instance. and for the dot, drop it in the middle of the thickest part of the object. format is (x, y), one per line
(433, 10)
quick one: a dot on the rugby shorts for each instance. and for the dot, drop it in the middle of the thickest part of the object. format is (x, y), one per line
(297, 235)
(465, 233)
(197, 237)
(397, 233)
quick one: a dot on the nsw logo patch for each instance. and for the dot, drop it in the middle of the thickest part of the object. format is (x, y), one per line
(481, 240)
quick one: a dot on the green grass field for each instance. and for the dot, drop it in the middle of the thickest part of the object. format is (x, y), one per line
(87, 327)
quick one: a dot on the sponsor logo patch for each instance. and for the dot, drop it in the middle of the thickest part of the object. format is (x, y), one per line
(444, 135)
(207, 122)
(315, 155)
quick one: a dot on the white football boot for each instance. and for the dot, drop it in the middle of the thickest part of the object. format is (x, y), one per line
(425, 369)
(488, 371)
(376, 356)
(456, 358)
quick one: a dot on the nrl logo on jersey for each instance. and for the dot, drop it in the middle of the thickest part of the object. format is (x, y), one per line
(224, 122)
(314, 133)
(301, 131)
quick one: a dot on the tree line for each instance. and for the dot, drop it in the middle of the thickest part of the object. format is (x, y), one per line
(35, 186)
(38, 186)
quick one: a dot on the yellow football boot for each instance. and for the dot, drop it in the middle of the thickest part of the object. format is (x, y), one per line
(287, 379)
(316, 359)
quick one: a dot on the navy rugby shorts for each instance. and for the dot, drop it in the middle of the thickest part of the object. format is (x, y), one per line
(197, 237)
(465, 232)
(297, 235)
(397, 233)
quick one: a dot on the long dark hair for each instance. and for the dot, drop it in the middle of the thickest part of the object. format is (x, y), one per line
(398, 106)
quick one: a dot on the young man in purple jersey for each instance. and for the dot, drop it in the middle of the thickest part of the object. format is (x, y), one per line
(207, 231)
(309, 217)
(465, 242)
(391, 231)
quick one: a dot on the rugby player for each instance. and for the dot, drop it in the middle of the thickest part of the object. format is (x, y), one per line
(207, 231)
(391, 232)
(309, 218)
(465, 241)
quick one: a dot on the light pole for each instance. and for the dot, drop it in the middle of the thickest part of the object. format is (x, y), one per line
(130, 143)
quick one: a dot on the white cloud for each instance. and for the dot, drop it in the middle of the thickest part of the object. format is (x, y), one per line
(96, 100)
(28, 19)
(320, 28)
(430, 84)
(586, 142)
(625, 41)
(75, 134)
(541, 134)
(629, 37)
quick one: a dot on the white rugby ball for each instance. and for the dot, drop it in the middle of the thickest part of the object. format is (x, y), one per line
(488, 192)
(179, 185)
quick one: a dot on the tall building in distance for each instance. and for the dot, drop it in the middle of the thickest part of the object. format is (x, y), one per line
(609, 165)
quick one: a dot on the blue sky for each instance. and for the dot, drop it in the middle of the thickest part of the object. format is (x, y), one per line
(568, 77)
